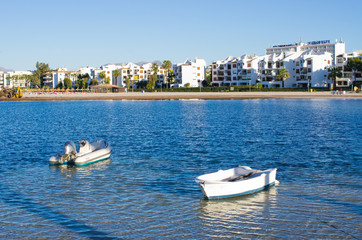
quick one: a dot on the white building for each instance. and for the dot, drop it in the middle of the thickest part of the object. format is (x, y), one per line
(335, 49)
(349, 77)
(14, 79)
(136, 73)
(235, 71)
(190, 73)
(307, 67)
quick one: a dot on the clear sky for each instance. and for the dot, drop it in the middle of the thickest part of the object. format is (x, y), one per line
(79, 33)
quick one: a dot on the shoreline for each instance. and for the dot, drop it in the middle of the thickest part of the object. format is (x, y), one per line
(179, 96)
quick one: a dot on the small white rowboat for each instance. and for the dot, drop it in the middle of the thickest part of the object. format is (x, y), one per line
(237, 181)
(88, 153)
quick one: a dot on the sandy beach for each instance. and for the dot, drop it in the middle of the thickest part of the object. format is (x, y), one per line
(32, 96)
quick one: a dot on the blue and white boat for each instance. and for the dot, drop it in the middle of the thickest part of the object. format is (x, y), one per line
(237, 181)
(88, 153)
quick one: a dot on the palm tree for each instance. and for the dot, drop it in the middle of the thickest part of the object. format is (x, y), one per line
(166, 65)
(116, 73)
(283, 75)
(154, 77)
(334, 73)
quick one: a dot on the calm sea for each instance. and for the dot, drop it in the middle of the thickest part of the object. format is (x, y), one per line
(147, 189)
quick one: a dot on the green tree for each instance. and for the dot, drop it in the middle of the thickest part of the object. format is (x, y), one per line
(128, 83)
(82, 83)
(102, 75)
(171, 77)
(333, 74)
(67, 83)
(116, 73)
(29, 80)
(354, 64)
(59, 85)
(154, 78)
(208, 80)
(94, 82)
(152, 81)
(41, 70)
(283, 75)
(107, 80)
(166, 65)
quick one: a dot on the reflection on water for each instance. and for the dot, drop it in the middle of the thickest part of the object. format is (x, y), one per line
(81, 171)
(225, 216)
(147, 190)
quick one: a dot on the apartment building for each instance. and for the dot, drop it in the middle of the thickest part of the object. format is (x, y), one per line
(137, 73)
(336, 48)
(189, 73)
(349, 77)
(235, 71)
(307, 67)
(14, 79)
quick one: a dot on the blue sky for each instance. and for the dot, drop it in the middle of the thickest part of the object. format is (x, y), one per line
(75, 34)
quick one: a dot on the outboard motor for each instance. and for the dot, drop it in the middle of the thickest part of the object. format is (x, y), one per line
(69, 148)
(70, 152)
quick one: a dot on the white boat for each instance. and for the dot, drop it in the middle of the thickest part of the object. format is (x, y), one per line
(237, 181)
(88, 153)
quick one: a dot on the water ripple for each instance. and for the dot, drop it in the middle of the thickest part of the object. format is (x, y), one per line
(147, 189)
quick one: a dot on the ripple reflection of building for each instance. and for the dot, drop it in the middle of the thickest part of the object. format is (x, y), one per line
(243, 209)
(81, 171)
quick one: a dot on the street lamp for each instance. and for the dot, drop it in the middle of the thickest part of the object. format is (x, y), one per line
(308, 84)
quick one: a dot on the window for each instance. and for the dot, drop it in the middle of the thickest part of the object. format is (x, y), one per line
(309, 70)
(329, 62)
(297, 64)
(214, 66)
(281, 64)
(198, 74)
(234, 65)
(263, 72)
(309, 62)
(141, 76)
(124, 71)
(141, 71)
(309, 78)
(161, 71)
(249, 71)
(297, 71)
(198, 68)
(249, 64)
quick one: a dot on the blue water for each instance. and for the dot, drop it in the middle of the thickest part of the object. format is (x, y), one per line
(147, 189)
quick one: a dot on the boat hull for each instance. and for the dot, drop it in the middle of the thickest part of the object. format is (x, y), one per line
(87, 155)
(93, 157)
(226, 189)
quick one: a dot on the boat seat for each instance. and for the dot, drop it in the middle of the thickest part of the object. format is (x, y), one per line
(233, 179)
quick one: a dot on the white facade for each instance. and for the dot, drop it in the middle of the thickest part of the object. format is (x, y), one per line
(14, 79)
(307, 67)
(335, 49)
(190, 73)
(235, 71)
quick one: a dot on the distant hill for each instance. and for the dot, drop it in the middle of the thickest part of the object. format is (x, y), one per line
(6, 70)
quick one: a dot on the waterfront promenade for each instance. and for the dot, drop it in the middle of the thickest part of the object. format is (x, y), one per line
(179, 95)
